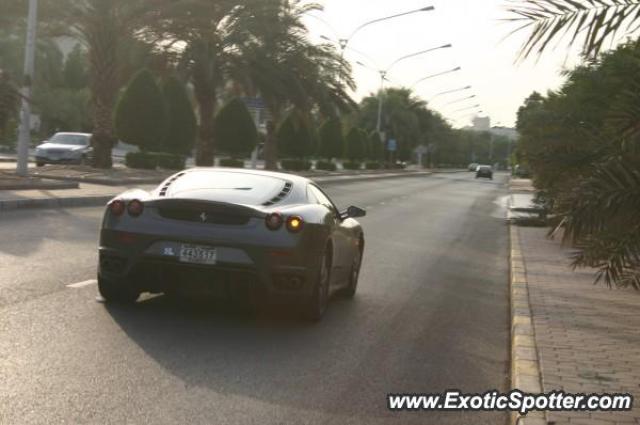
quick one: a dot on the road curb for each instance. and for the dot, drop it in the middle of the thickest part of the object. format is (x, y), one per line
(100, 200)
(86, 201)
(525, 364)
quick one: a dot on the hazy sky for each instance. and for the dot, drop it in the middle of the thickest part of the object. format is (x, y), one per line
(475, 29)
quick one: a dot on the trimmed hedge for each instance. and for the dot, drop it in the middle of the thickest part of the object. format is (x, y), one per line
(170, 161)
(296, 164)
(153, 160)
(348, 165)
(232, 163)
(372, 166)
(141, 160)
(326, 166)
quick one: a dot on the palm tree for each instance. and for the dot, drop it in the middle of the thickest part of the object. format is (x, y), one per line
(595, 20)
(287, 70)
(9, 97)
(102, 26)
(599, 214)
(209, 56)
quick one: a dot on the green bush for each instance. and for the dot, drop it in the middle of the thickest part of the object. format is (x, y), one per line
(140, 114)
(170, 161)
(356, 142)
(348, 165)
(232, 163)
(295, 137)
(295, 164)
(375, 149)
(372, 166)
(331, 139)
(182, 126)
(326, 166)
(141, 160)
(234, 129)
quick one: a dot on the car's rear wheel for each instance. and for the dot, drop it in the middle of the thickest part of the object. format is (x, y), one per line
(317, 303)
(113, 292)
(39, 164)
(352, 287)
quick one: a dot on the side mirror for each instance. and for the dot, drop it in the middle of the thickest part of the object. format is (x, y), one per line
(353, 212)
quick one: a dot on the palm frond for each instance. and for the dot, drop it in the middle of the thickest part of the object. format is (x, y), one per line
(595, 21)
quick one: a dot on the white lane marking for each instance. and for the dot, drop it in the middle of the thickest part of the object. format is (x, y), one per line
(82, 284)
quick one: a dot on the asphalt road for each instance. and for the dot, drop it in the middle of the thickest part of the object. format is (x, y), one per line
(430, 315)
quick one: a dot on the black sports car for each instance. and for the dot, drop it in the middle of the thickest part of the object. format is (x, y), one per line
(227, 231)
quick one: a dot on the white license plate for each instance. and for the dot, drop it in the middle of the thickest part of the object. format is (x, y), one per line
(198, 254)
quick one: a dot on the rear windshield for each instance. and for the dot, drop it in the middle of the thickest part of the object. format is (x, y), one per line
(220, 186)
(70, 139)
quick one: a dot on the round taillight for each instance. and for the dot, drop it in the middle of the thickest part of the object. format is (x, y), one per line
(117, 207)
(135, 208)
(273, 221)
(294, 223)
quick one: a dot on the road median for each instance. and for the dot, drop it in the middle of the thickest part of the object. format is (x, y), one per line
(98, 195)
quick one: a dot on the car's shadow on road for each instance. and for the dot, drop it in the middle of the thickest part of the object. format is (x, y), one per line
(269, 354)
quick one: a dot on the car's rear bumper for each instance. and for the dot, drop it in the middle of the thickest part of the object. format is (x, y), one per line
(277, 280)
(46, 160)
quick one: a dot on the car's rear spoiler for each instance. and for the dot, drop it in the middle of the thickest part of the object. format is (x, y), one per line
(207, 206)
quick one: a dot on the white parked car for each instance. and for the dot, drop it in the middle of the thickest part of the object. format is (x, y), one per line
(65, 148)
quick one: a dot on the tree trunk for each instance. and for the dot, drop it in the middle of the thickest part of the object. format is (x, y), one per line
(204, 144)
(204, 86)
(271, 142)
(102, 39)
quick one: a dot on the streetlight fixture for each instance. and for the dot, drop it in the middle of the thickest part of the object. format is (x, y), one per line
(466, 109)
(383, 76)
(24, 137)
(456, 69)
(344, 42)
(450, 91)
(460, 100)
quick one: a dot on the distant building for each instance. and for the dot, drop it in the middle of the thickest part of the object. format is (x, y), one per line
(481, 123)
(484, 124)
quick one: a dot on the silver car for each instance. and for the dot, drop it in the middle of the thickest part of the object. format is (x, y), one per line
(64, 148)
(230, 232)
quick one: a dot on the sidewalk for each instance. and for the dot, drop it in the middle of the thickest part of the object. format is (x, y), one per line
(582, 338)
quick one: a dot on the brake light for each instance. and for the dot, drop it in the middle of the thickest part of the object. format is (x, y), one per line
(135, 208)
(294, 223)
(117, 207)
(273, 221)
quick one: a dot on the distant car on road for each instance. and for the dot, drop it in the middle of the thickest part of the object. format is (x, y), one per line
(64, 148)
(231, 232)
(473, 166)
(484, 171)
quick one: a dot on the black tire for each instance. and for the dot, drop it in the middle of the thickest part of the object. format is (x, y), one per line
(351, 288)
(114, 293)
(39, 164)
(317, 304)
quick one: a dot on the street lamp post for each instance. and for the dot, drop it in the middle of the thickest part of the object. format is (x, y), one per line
(344, 42)
(24, 138)
(384, 72)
